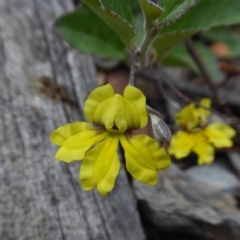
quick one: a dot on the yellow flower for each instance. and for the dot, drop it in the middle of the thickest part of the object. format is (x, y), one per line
(113, 116)
(198, 137)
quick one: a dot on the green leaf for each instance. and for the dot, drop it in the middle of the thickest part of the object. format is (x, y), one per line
(180, 57)
(138, 21)
(122, 8)
(174, 9)
(165, 43)
(151, 10)
(121, 26)
(230, 37)
(86, 31)
(148, 10)
(206, 14)
(135, 6)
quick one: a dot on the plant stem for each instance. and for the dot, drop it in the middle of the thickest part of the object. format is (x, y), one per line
(133, 66)
(151, 32)
(144, 47)
(193, 52)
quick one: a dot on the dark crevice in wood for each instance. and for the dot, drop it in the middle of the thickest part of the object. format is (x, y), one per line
(2, 54)
(55, 201)
(17, 126)
(76, 3)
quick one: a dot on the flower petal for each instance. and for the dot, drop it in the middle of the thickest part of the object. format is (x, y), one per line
(100, 166)
(75, 147)
(144, 158)
(96, 97)
(181, 144)
(187, 117)
(62, 133)
(203, 113)
(135, 105)
(117, 113)
(220, 134)
(111, 114)
(203, 148)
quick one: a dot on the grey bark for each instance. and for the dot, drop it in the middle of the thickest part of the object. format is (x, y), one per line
(43, 84)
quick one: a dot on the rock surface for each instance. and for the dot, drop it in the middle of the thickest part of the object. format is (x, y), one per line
(217, 174)
(183, 205)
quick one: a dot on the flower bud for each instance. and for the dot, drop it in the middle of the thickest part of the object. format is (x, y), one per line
(160, 129)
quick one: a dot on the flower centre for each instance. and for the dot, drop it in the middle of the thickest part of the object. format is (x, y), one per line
(114, 129)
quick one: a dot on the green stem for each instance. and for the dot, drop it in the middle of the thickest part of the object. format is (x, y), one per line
(151, 32)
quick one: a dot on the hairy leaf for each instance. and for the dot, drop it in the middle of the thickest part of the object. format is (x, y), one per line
(206, 14)
(151, 10)
(90, 36)
(122, 8)
(120, 25)
(174, 9)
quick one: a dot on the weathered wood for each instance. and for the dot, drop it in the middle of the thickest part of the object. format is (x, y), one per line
(41, 198)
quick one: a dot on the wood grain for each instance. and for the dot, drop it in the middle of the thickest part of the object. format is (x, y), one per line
(41, 198)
